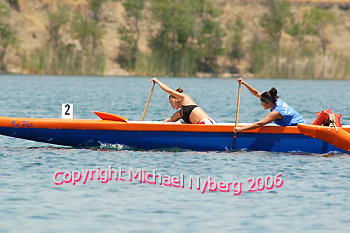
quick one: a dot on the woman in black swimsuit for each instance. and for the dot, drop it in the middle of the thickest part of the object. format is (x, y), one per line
(189, 111)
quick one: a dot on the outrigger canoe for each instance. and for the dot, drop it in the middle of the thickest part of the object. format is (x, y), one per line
(116, 130)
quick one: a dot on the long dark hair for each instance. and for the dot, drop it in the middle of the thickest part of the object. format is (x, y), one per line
(269, 96)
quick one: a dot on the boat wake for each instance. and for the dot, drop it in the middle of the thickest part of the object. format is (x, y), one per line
(114, 146)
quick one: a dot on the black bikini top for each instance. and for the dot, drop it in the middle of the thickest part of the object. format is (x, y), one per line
(186, 112)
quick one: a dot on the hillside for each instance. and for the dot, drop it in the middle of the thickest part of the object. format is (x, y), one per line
(32, 18)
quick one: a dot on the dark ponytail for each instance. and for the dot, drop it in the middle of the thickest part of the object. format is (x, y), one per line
(270, 96)
(273, 93)
(179, 90)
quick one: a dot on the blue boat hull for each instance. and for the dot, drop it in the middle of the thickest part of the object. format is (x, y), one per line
(199, 141)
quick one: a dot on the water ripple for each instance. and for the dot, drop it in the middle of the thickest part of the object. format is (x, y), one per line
(313, 198)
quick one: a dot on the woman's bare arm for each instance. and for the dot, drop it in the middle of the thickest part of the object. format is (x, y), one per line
(268, 119)
(252, 90)
(168, 89)
(175, 117)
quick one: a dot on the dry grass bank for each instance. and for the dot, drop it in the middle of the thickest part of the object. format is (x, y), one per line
(31, 22)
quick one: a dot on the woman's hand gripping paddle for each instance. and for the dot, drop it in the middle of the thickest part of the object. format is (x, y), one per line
(149, 99)
(237, 114)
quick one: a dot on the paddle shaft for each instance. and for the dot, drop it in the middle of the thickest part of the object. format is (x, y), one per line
(237, 114)
(238, 103)
(149, 99)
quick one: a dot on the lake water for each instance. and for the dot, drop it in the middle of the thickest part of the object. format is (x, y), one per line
(314, 195)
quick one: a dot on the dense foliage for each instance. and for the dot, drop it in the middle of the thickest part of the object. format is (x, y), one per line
(185, 38)
(7, 35)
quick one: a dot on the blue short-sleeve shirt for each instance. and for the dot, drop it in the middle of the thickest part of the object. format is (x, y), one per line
(289, 115)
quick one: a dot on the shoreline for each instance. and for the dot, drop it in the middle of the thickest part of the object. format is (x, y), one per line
(124, 73)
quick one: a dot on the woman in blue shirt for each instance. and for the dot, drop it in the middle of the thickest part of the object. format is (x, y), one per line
(280, 112)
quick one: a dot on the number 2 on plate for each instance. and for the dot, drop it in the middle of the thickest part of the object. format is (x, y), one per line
(67, 110)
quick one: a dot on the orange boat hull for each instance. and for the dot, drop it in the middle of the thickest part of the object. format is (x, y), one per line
(336, 136)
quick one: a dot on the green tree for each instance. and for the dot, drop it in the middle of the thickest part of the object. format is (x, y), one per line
(209, 47)
(130, 33)
(259, 49)
(87, 31)
(97, 29)
(176, 18)
(88, 28)
(189, 38)
(297, 29)
(8, 36)
(95, 7)
(79, 55)
(234, 46)
(274, 21)
(14, 4)
(316, 21)
(56, 21)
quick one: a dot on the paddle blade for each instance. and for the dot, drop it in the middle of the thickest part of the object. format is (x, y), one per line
(110, 117)
(234, 141)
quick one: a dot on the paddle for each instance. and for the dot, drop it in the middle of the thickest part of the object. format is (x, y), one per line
(110, 117)
(237, 114)
(149, 99)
